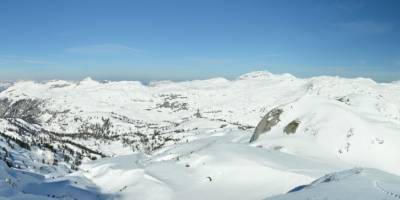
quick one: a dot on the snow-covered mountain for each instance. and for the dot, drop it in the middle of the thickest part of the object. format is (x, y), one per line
(254, 137)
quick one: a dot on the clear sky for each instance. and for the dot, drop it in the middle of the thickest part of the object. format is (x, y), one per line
(195, 39)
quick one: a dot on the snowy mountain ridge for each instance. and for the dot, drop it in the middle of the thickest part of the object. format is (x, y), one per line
(200, 131)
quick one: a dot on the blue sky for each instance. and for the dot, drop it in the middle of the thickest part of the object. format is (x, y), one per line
(195, 39)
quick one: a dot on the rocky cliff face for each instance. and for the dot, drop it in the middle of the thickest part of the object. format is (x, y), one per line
(266, 123)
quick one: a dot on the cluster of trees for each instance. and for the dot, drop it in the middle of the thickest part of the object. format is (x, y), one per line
(6, 157)
(26, 109)
(63, 150)
(145, 142)
(65, 147)
(101, 130)
(20, 143)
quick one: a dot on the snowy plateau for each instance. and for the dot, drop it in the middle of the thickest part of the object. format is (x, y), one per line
(259, 136)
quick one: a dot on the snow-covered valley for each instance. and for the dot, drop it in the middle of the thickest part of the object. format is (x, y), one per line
(260, 136)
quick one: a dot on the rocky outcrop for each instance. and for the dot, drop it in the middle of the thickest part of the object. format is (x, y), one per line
(266, 123)
(291, 127)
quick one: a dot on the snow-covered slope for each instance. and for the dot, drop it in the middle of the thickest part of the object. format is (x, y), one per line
(191, 140)
(357, 184)
(4, 85)
(345, 130)
(215, 165)
(16, 184)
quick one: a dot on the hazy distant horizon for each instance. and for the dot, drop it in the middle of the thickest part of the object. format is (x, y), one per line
(147, 81)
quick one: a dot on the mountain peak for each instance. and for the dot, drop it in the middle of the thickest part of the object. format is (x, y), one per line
(87, 79)
(256, 75)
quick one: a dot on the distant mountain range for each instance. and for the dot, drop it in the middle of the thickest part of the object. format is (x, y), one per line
(258, 136)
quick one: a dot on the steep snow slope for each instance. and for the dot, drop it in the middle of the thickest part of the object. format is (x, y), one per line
(337, 130)
(190, 140)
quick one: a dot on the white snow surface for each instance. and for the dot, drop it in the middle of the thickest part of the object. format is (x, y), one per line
(348, 129)
(357, 184)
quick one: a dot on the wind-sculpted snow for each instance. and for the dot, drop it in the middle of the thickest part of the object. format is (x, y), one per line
(190, 140)
(216, 165)
(357, 184)
(15, 184)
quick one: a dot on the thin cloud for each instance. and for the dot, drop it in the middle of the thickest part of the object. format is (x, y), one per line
(8, 59)
(366, 27)
(103, 48)
(41, 62)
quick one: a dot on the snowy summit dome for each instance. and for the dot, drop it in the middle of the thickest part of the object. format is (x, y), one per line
(256, 75)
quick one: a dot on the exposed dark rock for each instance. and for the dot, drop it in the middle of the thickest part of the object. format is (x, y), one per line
(298, 188)
(344, 99)
(266, 123)
(291, 127)
(59, 85)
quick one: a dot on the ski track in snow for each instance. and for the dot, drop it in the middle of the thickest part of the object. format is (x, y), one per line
(380, 188)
